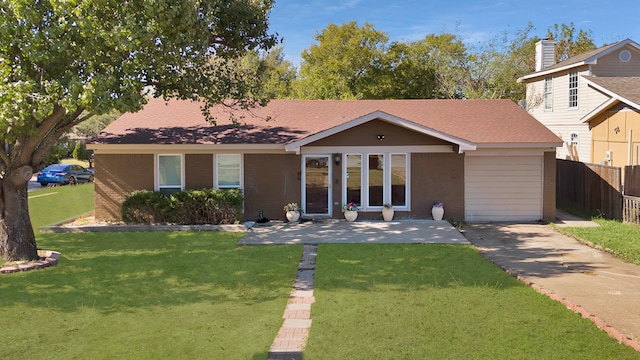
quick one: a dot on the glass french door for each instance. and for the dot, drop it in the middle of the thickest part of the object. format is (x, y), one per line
(317, 184)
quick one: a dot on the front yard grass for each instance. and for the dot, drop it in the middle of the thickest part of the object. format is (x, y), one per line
(621, 239)
(439, 302)
(193, 295)
(48, 206)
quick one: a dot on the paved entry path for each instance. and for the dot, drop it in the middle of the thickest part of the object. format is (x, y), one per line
(292, 337)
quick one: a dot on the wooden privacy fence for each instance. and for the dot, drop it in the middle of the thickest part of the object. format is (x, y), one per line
(593, 188)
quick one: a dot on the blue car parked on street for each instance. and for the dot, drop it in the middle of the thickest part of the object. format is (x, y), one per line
(64, 174)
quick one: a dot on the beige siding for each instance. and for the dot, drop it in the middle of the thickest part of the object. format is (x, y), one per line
(503, 188)
(610, 64)
(561, 119)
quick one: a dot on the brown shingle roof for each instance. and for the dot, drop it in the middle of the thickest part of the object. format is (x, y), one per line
(627, 88)
(181, 122)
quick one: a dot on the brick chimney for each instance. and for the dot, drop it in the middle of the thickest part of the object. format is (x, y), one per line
(545, 54)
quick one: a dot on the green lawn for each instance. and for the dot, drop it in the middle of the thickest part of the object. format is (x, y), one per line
(196, 295)
(48, 206)
(439, 302)
(621, 238)
(189, 295)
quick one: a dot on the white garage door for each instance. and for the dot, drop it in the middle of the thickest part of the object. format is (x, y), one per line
(503, 188)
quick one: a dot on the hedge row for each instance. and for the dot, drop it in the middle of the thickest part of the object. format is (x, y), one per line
(190, 207)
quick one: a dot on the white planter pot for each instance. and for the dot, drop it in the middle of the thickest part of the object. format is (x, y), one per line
(350, 215)
(437, 213)
(293, 216)
(387, 214)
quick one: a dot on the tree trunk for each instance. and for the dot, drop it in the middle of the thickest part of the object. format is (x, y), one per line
(17, 240)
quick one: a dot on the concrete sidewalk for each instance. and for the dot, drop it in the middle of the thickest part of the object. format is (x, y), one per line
(357, 232)
(591, 282)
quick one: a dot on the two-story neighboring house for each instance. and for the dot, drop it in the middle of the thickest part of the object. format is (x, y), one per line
(591, 101)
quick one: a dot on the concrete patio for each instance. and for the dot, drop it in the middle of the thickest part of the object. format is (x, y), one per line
(357, 232)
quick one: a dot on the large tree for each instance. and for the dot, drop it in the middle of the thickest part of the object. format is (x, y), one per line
(63, 62)
(569, 41)
(344, 62)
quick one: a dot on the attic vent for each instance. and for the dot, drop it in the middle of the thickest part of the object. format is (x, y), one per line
(624, 55)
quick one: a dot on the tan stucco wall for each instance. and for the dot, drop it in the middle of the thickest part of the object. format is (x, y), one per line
(367, 135)
(437, 177)
(198, 171)
(270, 182)
(610, 132)
(117, 175)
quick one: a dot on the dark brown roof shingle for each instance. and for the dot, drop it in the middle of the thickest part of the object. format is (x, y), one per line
(181, 121)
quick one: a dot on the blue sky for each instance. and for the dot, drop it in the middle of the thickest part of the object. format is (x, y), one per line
(297, 21)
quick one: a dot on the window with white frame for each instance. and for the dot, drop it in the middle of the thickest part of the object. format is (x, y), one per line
(170, 174)
(573, 89)
(548, 93)
(229, 171)
(375, 179)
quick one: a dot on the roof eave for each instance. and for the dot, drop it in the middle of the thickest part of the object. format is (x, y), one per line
(542, 145)
(551, 71)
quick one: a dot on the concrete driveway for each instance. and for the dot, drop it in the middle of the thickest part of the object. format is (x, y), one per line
(358, 232)
(594, 283)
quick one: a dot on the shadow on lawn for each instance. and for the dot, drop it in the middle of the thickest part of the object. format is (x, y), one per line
(115, 271)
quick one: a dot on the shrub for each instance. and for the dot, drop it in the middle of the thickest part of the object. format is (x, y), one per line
(190, 207)
(146, 207)
(80, 151)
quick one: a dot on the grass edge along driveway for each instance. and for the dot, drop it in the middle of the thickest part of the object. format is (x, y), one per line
(439, 302)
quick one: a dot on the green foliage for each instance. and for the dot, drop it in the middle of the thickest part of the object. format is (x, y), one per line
(189, 207)
(354, 62)
(63, 148)
(95, 124)
(80, 151)
(568, 43)
(62, 62)
(276, 74)
(344, 63)
(146, 207)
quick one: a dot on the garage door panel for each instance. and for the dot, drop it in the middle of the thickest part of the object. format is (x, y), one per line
(503, 188)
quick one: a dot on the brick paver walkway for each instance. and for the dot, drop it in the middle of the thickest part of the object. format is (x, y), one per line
(291, 340)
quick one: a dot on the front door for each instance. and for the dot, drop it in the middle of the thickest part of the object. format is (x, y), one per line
(317, 185)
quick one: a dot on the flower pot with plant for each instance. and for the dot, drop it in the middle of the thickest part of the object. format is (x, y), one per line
(350, 211)
(437, 211)
(387, 212)
(293, 211)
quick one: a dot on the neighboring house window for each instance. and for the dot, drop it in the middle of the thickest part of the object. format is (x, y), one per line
(373, 180)
(170, 178)
(573, 89)
(548, 93)
(229, 171)
(574, 139)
